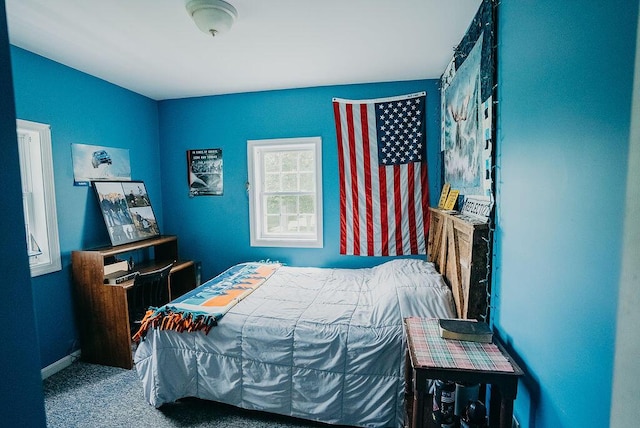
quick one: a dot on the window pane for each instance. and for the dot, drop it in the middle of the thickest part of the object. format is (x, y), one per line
(292, 223)
(273, 223)
(290, 182)
(306, 224)
(272, 182)
(273, 205)
(306, 205)
(289, 204)
(271, 162)
(306, 161)
(289, 161)
(306, 182)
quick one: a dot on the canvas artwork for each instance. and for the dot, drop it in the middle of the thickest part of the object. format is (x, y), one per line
(126, 210)
(463, 138)
(92, 163)
(205, 172)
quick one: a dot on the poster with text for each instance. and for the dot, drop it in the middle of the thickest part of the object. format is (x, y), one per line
(205, 172)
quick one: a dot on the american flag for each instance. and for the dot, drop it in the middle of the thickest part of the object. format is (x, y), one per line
(383, 175)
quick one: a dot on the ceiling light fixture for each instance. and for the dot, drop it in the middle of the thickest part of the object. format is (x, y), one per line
(212, 16)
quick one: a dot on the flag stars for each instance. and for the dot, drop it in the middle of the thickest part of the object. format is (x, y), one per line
(399, 131)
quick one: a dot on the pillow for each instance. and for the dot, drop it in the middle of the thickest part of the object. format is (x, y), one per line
(426, 302)
(406, 265)
(414, 273)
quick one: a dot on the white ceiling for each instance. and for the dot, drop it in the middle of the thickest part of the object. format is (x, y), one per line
(152, 47)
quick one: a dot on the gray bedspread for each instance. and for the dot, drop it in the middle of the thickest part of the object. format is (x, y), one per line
(319, 344)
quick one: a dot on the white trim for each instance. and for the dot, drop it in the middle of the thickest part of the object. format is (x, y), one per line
(59, 365)
(54, 263)
(625, 387)
(254, 189)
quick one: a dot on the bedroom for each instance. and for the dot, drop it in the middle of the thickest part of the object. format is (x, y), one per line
(540, 185)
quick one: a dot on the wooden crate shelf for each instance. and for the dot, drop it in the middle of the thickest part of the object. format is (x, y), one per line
(459, 249)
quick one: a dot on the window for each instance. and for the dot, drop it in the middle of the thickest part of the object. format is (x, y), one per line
(285, 192)
(38, 197)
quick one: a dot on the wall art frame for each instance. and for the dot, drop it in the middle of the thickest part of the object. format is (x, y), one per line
(126, 210)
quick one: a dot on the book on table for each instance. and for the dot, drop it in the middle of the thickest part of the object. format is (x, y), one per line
(468, 330)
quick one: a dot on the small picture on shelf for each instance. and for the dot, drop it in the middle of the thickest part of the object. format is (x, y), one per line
(443, 195)
(126, 210)
(452, 198)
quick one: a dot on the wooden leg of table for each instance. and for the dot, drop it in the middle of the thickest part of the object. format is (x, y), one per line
(495, 406)
(408, 375)
(501, 404)
(418, 409)
(506, 412)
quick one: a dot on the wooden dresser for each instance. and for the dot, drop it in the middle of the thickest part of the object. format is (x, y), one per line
(460, 249)
(102, 309)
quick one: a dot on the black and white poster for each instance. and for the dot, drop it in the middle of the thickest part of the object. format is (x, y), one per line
(205, 172)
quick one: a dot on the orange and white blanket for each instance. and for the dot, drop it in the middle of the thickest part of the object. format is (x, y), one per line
(201, 308)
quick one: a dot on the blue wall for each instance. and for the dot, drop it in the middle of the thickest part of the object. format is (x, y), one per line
(21, 387)
(86, 110)
(215, 229)
(564, 112)
(565, 80)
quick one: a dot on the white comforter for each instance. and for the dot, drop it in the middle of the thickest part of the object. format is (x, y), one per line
(319, 344)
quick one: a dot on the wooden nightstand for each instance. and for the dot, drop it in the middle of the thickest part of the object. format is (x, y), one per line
(432, 357)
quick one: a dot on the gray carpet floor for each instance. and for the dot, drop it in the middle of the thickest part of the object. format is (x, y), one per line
(89, 395)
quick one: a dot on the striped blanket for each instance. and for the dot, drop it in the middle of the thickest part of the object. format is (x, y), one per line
(203, 307)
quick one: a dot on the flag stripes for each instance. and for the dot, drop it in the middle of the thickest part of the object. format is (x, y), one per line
(383, 185)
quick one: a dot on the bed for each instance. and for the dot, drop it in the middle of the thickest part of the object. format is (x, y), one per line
(315, 343)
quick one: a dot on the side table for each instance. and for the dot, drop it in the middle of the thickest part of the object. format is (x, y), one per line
(432, 357)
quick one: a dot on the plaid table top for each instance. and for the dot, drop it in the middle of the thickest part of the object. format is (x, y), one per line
(428, 349)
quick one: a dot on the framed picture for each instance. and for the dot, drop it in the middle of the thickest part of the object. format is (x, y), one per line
(126, 210)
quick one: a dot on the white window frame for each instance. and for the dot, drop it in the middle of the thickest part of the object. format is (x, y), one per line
(39, 199)
(257, 218)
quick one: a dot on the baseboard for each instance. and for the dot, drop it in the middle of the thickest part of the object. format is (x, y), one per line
(61, 364)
